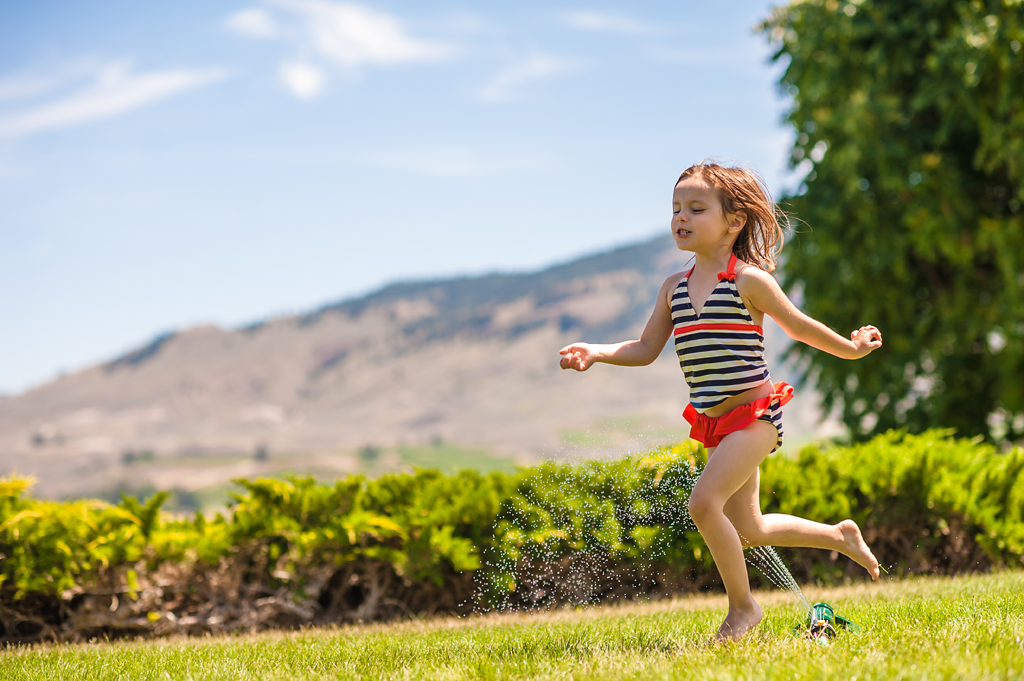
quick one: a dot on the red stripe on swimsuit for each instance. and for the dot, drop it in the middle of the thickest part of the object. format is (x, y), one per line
(721, 350)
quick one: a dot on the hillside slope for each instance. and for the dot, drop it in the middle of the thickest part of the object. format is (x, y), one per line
(469, 361)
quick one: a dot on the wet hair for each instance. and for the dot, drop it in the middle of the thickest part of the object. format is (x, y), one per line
(744, 191)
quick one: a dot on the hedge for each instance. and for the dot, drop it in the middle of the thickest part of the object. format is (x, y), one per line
(295, 552)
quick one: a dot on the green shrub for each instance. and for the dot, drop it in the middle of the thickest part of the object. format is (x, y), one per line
(47, 547)
(625, 521)
(925, 503)
(554, 533)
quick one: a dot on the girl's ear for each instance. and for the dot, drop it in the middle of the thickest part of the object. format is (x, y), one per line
(737, 221)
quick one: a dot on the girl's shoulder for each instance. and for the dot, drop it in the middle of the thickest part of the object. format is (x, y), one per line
(668, 289)
(745, 270)
(751, 277)
(674, 280)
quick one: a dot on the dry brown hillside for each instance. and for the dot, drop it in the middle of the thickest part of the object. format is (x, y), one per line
(456, 372)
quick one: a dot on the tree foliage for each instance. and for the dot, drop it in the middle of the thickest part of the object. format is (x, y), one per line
(909, 117)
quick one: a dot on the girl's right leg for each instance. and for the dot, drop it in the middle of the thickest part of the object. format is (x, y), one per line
(779, 529)
(730, 466)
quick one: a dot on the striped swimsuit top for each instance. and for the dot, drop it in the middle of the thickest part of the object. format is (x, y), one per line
(721, 350)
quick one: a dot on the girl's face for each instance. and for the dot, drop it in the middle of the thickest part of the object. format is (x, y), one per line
(699, 221)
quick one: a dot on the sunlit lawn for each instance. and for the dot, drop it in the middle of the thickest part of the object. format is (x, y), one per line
(963, 628)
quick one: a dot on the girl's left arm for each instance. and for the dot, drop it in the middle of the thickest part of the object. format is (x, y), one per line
(761, 290)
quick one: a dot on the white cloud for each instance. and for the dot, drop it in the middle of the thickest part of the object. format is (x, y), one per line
(115, 90)
(253, 23)
(462, 23)
(37, 82)
(352, 36)
(303, 80)
(535, 67)
(344, 35)
(607, 23)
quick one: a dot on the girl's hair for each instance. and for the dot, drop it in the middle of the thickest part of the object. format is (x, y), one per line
(743, 191)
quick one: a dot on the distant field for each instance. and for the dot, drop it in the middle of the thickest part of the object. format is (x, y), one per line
(369, 461)
(618, 436)
(934, 628)
(449, 458)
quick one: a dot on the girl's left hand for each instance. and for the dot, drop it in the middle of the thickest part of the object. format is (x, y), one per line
(865, 339)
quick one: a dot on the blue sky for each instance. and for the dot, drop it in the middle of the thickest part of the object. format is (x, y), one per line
(170, 164)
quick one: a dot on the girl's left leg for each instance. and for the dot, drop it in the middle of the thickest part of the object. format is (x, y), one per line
(780, 529)
(730, 465)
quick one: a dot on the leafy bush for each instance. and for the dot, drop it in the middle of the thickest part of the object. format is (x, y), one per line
(48, 546)
(357, 549)
(925, 503)
(600, 529)
(293, 552)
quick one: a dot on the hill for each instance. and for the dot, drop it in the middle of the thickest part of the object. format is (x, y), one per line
(449, 372)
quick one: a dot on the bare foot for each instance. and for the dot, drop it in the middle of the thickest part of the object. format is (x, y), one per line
(739, 621)
(856, 549)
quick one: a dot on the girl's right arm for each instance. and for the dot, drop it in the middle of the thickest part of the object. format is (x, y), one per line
(581, 356)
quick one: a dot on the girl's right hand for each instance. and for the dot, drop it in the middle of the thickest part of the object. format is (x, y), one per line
(578, 356)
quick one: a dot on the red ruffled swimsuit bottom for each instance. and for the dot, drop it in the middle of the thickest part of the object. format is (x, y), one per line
(710, 431)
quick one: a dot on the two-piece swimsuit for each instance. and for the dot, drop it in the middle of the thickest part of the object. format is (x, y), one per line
(721, 352)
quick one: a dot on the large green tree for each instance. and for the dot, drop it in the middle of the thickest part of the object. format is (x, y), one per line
(909, 116)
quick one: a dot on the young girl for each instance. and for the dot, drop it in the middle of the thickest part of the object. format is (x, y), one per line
(727, 219)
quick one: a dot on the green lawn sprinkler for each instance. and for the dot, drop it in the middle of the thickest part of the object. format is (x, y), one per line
(822, 622)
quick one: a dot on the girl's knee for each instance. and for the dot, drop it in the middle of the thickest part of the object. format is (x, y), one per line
(749, 526)
(702, 505)
(751, 534)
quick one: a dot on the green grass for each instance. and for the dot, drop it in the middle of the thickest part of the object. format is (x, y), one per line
(627, 432)
(934, 628)
(451, 458)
